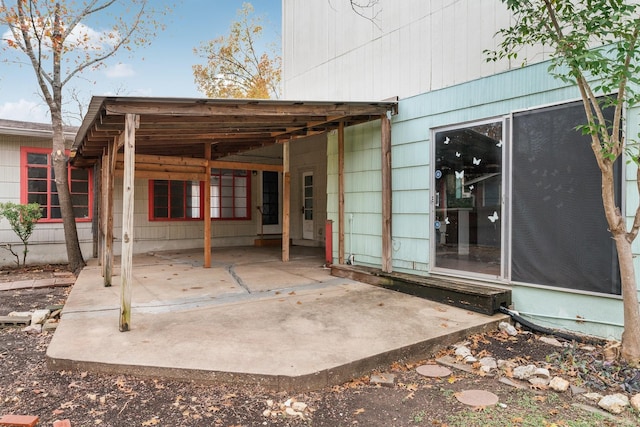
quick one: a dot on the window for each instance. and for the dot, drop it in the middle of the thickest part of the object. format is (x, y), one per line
(181, 200)
(174, 200)
(560, 236)
(38, 186)
(230, 194)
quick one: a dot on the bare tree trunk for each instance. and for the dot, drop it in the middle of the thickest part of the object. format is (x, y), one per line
(74, 254)
(630, 339)
(630, 351)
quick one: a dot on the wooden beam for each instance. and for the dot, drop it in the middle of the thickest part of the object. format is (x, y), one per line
(238, 109)
(171, 176)
(152, 167)
(207, 208)
(245, 166)
(112, 151)
(167, 160)
(102, 211)
(128, 202)
(341, 194)
(286, 202)
(385, 143)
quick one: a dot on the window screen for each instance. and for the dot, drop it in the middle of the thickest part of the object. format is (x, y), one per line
(560, 235)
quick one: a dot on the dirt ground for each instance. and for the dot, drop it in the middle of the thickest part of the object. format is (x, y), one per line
(90, 399)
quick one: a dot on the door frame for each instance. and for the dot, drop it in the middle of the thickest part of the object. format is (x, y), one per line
(303, 221)
(504, 205)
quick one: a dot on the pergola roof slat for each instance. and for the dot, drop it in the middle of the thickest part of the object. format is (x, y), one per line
(182, 126)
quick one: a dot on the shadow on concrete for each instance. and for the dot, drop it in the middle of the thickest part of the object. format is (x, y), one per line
(250, 318)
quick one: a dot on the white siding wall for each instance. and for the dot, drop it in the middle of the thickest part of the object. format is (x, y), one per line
(413, 46)
(47, 241)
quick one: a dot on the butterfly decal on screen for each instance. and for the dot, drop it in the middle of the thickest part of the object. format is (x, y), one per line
(447, 141)
(457, 154)
(446, 221)
(476, 161)
(494, 217)
(499, 144)
(459, 175)
(471, 187)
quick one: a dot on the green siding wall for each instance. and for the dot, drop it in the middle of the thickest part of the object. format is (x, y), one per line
(494, 96)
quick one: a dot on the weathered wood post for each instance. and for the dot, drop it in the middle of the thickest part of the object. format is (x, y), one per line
(341, 193)
(385, 130)
(286, 201)
(207, 207)
(126, 264)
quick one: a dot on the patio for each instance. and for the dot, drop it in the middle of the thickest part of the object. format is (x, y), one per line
(250, 318)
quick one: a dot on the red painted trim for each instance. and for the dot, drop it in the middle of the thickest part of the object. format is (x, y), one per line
(151, 206)
(24, 182)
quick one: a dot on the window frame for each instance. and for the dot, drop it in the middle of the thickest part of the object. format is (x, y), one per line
(214, 194)
(233, 197)
(152, 205)
(24, 183)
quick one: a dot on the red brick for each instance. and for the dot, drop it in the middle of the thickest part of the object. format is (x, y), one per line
(19, 420)
(62, 423)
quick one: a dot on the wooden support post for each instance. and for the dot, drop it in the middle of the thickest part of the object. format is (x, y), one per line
(286, 201)
(207, 208)
(341, 193)
(385, 143)
(128, 201)
(102, 212)
(109, 184)
(96, 225)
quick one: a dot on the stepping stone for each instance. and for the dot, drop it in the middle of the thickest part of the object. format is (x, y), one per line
(433, 371)
(477, 398)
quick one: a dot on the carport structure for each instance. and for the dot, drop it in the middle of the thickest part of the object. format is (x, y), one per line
(183, 138)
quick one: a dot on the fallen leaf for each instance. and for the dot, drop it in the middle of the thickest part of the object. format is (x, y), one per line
(358, 411)
(292, 293)
(152, 422)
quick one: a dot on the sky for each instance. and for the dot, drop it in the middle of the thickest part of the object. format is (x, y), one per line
(162, 69)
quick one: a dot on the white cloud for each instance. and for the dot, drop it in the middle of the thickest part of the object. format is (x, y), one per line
(26, 111)
(82, 37)
(119, 71)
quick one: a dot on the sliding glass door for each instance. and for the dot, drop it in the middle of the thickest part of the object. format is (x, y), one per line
(468, 198)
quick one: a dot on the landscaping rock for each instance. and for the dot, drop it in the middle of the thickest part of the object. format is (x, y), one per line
(559, 384)
(39, 316)
(635, 402)
(386, 380)
(551, 341)
(464, 353)
(488, 363)
(524, 372)
(508, 328)
(593, 396)
(542, 373)
(614, 403)
(539, 382)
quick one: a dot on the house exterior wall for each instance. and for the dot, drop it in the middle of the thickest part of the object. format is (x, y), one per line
(412, 47)
(46, 244)
(307, 155)
(430, 55)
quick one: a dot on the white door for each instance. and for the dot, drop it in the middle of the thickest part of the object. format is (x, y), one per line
(307, 205)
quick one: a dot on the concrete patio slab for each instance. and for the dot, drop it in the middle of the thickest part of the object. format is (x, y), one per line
(250, 319)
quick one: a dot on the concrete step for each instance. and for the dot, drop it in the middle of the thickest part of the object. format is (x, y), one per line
(480, 298)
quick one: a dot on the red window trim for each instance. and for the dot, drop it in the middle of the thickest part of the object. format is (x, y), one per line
(24, 182)
(152, 207)
(248, 217)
